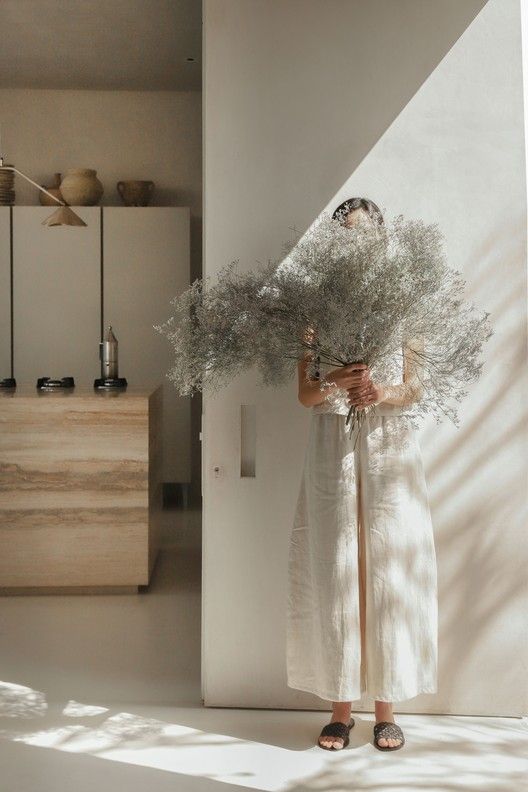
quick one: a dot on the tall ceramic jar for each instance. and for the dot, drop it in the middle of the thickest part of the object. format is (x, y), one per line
(81, 187)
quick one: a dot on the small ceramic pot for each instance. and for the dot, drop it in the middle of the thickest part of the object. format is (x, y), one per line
(54, 189)
(135, 193)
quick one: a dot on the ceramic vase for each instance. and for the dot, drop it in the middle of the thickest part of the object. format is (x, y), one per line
(81, 187)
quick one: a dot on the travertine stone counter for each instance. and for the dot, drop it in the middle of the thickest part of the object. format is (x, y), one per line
(80, 488)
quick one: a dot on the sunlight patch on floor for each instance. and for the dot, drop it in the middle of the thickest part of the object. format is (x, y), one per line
(442, 752)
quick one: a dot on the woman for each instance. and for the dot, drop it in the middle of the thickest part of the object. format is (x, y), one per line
(362, 598)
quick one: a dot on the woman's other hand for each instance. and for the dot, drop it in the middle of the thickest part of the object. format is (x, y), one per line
(366, 392)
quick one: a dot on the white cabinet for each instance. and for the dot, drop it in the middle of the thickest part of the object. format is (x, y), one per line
(69, 283)
(56, 295)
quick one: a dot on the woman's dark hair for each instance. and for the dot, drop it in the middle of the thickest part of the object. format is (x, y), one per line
(358, 203)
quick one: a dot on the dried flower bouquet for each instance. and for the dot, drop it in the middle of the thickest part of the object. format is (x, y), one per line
(382, 295)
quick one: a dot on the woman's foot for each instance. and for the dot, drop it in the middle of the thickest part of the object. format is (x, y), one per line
(340, 712)
(383, 712)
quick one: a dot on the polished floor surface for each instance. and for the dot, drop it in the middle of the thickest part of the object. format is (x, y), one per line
(103, 693)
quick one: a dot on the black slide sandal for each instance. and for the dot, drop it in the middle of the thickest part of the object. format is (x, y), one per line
(388, 730)
(336, 729)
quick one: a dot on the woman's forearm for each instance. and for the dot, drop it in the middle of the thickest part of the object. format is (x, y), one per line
(402, 394)
(310, 393)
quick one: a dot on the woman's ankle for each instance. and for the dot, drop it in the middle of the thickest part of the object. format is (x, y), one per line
(341, 710)
(383, 710)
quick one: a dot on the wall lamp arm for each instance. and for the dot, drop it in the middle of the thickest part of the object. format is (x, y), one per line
(12, 168)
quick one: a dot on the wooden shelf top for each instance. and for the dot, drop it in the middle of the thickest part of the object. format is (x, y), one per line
(27, 390)
(95, 206)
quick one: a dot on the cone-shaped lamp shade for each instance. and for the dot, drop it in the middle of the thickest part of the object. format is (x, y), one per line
(63, 215)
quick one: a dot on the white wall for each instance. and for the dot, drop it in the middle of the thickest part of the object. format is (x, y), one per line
(418, 106)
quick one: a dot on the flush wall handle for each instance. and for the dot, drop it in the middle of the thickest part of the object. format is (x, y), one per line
(248, 440)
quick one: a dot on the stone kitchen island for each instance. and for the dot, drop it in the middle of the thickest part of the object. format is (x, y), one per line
(80, 489)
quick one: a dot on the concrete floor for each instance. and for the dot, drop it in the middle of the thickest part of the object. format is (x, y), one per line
(103, 693)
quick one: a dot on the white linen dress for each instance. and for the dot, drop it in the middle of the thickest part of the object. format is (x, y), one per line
(362, 574)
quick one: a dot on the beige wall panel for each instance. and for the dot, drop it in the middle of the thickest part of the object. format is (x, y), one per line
(146, 263)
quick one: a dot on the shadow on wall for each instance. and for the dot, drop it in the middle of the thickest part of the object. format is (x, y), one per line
(476, 591)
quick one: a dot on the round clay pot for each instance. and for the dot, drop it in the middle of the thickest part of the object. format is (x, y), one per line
(81, 187)
(135, 193)
(54, 189)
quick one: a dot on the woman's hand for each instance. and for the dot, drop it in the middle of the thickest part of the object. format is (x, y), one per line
(354, 375)
(366, 392)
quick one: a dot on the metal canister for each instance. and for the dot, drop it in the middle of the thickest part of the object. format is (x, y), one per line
(108, 355)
